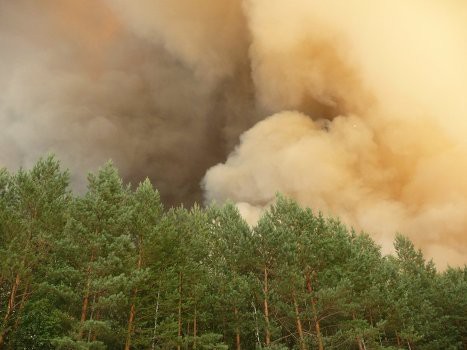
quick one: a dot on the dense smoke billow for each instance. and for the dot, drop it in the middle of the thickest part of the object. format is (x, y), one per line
(367, 113)
(163, 88)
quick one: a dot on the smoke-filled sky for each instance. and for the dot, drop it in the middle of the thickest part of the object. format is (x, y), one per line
(355, 108)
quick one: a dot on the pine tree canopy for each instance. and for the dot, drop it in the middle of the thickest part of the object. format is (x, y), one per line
(111, 268)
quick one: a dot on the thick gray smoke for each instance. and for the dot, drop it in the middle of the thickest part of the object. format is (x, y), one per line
(369, 119)
(162, 88)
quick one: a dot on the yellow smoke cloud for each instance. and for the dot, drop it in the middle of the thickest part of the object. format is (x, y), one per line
(390, 77)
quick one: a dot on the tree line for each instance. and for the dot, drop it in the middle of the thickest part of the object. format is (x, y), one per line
(113, 269)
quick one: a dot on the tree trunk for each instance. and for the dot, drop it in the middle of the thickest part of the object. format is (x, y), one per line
(153, 345)
(256, 325)
(187, 332)
(11, 299)
(266, 308)
(10, 308)
(299, 323)
(237, 331)
(131, 318)
(130, 327)
(195, 329)
(315, 315)
(22, 303)
(179, 307)
(84, 307)
(96, 318)
(359, 341)
(91, 316)
(360, 344)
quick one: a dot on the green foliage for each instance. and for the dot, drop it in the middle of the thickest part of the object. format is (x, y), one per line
(112, 269)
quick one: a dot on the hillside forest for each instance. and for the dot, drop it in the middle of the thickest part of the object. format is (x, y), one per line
(111, 268)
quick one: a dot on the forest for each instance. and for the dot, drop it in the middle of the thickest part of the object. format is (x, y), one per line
(111, 268)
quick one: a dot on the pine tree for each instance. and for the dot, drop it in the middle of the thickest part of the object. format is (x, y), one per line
(231, 258)
(111, 269)
(33, 216)
(147, 214)
(101, 253)
(451, 302)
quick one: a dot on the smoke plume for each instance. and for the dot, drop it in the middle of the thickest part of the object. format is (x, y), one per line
(389, 79)
(367, 114)
(162, 88)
